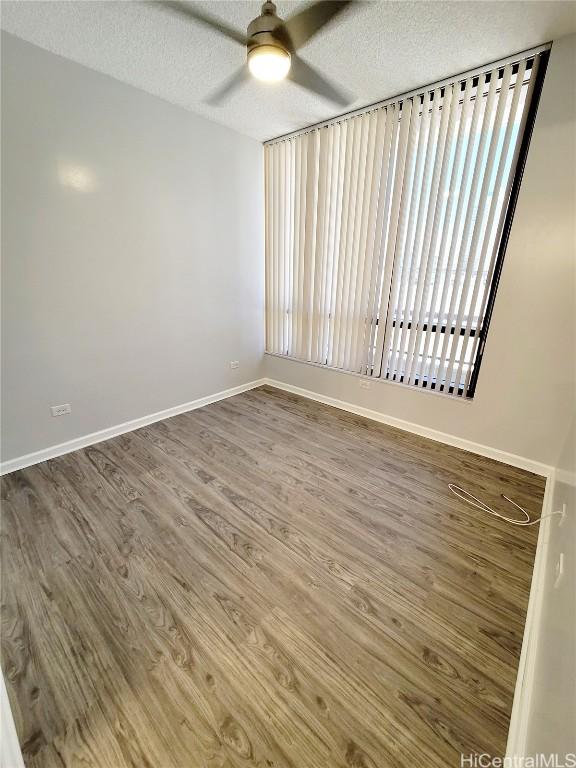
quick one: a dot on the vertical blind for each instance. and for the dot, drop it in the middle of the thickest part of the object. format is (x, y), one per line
(384, 229)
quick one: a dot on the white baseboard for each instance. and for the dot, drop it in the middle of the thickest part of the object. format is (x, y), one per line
(516, 748)
(10, 754)
(128, 426)
(119, 429)
(442, 437)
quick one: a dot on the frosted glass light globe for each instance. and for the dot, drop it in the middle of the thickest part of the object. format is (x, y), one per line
(269, 62)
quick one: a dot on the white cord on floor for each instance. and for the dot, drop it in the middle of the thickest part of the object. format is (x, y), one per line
(457, 491)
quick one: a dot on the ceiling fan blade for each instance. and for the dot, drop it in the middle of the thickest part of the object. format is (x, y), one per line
(308, 77)
(190, 11)
(304, 25)
(229, 85)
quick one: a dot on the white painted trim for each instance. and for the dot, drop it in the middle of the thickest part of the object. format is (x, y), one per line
(128, 426)
(119, 429)
(566, 477)
(10, 754)
(519, 719)
(442, 437)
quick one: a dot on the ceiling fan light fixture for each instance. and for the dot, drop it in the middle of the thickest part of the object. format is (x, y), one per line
(269, 62)
(272, 45)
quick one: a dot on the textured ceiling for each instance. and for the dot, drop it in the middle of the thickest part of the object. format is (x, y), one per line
(375, 49)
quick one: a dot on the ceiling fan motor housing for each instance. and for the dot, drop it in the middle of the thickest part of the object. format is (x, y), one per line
(266, 29)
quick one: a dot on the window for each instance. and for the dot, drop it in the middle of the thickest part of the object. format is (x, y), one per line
(386, 230)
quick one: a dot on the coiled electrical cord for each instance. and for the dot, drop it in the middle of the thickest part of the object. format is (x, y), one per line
(469, 498)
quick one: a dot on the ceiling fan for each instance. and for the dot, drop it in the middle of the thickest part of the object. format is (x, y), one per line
(272, 46)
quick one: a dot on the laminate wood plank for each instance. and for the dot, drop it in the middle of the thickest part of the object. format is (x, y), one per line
(298, 541)
(340, 598)
(493, 631)
(370, 493)
(263, 582)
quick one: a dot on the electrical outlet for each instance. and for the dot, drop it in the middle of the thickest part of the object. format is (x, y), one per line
(61, 410)
(234, 364)
(364, 384)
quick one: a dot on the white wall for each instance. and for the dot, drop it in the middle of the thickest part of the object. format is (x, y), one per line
(527, 384)
(10, 754)
(134, 292)
(566, 467)
(551, 681)
(133, 295)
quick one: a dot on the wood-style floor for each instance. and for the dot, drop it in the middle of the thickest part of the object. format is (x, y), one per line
(263, 582)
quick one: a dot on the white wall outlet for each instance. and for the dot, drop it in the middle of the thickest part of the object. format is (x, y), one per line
(234, 364)
(61, 410)
(364, 384)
